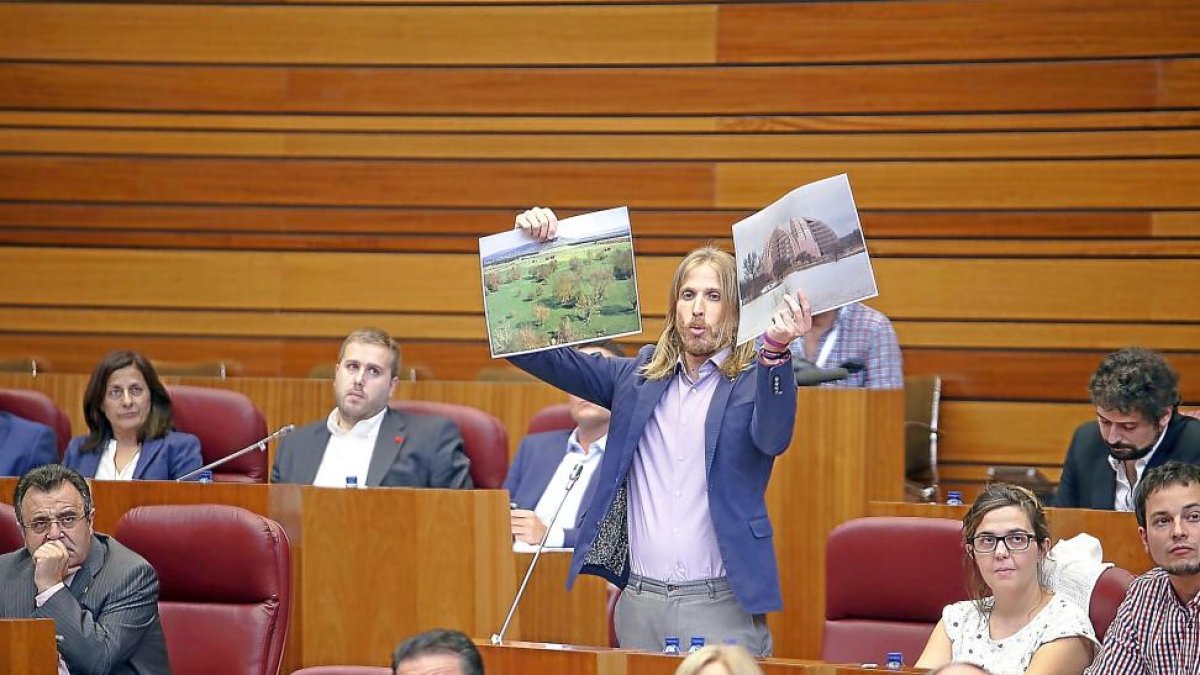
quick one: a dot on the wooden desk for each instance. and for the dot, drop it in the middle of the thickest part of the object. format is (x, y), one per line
(551, 613)
(1116, 531)
(369, 566)
(523, 658)
(847, 450)
(27, 647)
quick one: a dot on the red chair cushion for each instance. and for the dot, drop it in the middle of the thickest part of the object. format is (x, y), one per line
(1107, 595)
(902, 605)
(37, 407)
(225, 422)
(11, 535)
(485, 439)
(224, 585)
(551, 418)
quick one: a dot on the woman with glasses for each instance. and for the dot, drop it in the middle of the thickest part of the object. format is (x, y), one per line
(1013, 624)
(131, 436)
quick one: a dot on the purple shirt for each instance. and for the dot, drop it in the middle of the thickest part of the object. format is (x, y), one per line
(671, 535)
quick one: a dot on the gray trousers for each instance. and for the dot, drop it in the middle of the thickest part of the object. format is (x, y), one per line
(649, 611)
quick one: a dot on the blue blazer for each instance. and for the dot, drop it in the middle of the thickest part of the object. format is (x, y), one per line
(165, 458)
(24, 445)
(537, 459)
(748, 424)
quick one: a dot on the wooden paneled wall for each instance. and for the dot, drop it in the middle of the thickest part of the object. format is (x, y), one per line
(248, 182)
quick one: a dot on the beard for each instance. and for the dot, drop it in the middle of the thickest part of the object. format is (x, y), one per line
(1123, 452)
(702, 345)
(1183, 569)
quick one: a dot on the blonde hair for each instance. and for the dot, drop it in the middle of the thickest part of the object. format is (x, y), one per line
(735, 659)
(377, 337)
(670, 345)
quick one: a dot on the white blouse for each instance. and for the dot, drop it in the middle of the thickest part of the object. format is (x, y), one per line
(107, 469)
(970, 636)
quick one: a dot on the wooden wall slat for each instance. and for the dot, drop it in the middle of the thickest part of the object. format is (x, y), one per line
(942, 30)
(1009, 432)
(1096, 337)
(332, 182)
(769, 90)
(896, 123)
(910, 31)
(880, 248)
(911, 288)
(641, 146)
(976, 185)
(409, 221)
(359, 35)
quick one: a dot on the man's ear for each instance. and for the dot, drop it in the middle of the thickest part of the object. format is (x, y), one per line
(1145, 542)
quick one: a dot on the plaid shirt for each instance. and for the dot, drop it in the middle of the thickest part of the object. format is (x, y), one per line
(864, 335)
(1153, 633)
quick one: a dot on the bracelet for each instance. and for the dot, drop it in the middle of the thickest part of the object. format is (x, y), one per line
(776, 345)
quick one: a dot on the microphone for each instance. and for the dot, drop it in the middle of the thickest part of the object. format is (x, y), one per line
(261, 446)
(498, 638)
(808, 374)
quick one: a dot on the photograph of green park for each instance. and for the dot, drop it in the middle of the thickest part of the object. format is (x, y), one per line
(565, 291)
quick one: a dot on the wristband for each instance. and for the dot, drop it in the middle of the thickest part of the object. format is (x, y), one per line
(775, 344)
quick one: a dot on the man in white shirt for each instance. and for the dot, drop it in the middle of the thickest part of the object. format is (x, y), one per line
(1138, 427)
(538, 478)
(365, 442)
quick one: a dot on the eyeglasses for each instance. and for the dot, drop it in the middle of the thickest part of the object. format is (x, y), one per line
(1013, 541)
(117, 393)
(43, 525)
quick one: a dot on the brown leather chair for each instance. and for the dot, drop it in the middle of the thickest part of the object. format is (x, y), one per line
(37, 407)
(485, 440)
(1107, 595)
(225, 579)
(11, 535)
(225, 422)
(898, 610)
(551, 418)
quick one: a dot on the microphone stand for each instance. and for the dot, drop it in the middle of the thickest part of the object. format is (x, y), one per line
(498, 638)
(261, 446)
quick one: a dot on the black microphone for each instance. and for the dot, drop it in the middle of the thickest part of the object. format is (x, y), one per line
(257, 445)
(498, 638)
(809, 374)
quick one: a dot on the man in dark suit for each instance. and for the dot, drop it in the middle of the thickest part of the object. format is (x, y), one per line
(366, 440)
(679, 517)
(537, 479)
(102, 596)
(1137, 427)
(24, 445)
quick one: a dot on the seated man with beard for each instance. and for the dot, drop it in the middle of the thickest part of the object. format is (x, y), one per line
(1137, 427)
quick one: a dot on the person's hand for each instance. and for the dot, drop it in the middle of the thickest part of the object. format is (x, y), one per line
(538, 223)
(526, 526)
(791, 320)
(50, 563)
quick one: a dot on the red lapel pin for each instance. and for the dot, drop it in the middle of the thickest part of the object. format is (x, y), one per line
(398, 440)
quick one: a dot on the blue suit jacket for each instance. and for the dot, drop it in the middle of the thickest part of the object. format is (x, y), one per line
(537, 459)
(165, 458)
(748, 424)
(24, 445)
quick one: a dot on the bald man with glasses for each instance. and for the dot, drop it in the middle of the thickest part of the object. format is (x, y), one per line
(102, 596)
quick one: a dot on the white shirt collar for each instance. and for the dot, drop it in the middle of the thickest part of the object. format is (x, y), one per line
(361, 429)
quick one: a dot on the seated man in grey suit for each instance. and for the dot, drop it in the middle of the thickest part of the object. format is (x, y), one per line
(102, 596)
(537, 479)
(24, 445)
(366, 440)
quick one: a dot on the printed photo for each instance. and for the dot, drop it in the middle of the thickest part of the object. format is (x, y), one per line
(579, 287)
(810, 239)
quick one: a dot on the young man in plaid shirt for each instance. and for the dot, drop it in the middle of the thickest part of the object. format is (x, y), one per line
(1157, 627)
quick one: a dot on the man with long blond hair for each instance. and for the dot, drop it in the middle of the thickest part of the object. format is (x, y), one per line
(678, 517)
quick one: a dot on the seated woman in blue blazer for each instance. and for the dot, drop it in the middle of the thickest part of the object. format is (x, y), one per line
(131, 436)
